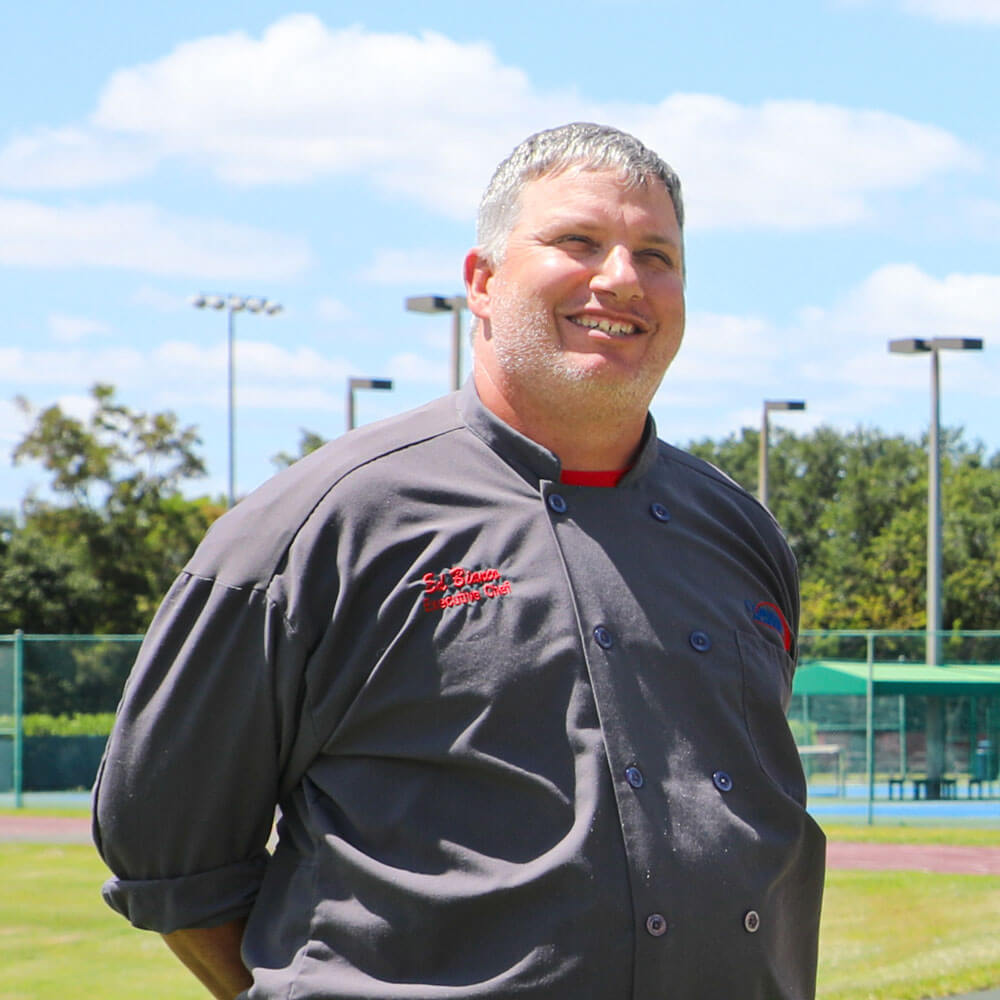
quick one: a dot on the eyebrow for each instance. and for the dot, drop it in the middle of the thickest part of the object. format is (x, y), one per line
(567, 223)
(660, 241)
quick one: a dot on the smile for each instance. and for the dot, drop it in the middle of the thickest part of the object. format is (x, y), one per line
(613, 328)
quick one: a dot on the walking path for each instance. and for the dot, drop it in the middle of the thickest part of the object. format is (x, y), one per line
(45, 829)
(942, 858)
(876, 857)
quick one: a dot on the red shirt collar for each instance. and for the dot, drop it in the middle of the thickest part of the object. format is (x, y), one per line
(577, 477)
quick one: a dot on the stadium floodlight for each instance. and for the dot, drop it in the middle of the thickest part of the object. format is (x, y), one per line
(354, 384)
(932, 346)
(444, 303)
(233, 304)
(770, 405)
(935, 722)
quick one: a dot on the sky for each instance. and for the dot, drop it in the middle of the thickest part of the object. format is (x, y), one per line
(840, 162)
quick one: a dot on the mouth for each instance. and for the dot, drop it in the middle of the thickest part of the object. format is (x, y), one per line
(610, 327)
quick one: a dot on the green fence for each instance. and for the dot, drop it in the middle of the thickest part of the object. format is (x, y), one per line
(57, 695)
(870, 711)
(866, 710)
(11, 729)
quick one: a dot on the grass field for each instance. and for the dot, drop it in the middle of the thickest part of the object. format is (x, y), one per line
(58, 940)
(885, 935)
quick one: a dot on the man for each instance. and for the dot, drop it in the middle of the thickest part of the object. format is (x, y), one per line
(513, 670)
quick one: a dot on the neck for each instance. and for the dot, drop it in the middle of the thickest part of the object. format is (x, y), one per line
(583, 436)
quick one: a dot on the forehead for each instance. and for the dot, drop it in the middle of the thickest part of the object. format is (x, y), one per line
(596, 194)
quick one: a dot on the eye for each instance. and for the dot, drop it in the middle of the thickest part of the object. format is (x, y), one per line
(658, 257)
(575, 241)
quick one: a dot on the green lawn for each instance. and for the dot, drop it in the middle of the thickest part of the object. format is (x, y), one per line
(58, 939)
(959, 836)
(885, 935)
(907, 935)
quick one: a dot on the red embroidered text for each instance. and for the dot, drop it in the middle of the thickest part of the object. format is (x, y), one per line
(459, 586)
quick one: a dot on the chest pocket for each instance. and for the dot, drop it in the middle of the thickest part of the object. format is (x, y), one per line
(767, 689)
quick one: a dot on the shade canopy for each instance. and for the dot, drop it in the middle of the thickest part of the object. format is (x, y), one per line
(841, 677)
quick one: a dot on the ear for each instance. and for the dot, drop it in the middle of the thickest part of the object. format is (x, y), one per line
(478, 274)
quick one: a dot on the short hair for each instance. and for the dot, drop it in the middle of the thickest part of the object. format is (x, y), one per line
(580, 145)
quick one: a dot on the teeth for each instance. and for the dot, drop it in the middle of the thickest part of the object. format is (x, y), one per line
(605, 326)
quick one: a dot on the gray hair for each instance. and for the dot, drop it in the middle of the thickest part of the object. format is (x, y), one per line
(580, 145)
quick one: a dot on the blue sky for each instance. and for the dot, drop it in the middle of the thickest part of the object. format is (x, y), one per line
(841, 165)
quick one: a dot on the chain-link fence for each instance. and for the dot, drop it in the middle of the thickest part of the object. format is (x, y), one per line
(58, 695)
(866, 711)
(874, 711)
(11, 730)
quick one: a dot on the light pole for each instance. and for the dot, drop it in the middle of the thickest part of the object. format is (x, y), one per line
(362, 383)
(936, 723)
(770, 405)
(445, 303)
(233, 304)
(933, 346)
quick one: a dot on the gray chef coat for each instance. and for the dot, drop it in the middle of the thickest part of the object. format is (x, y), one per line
(527, 739)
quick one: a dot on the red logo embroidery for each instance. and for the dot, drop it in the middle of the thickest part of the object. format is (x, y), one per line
(459, 586)
(770, 615)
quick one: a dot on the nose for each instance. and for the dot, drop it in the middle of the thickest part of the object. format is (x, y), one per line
(618, 275)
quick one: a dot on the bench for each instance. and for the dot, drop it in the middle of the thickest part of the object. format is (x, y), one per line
(979, 783)
(924, 787)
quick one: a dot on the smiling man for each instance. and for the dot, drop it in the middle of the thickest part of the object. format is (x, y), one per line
(581, 313)
(512, 669)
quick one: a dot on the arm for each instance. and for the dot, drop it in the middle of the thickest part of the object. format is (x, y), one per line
(202, 731)
(213, 955)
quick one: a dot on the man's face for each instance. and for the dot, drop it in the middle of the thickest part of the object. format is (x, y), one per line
(587, 306)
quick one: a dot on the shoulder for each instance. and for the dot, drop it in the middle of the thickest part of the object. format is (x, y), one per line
(248, 543)
(703, 473)
(719, 497)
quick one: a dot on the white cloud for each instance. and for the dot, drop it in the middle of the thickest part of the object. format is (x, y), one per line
(411, 268)
(835, 357)
(966, 11)
(791, 164)
(77, 367)
(426, 118)
(304, 101)
(158, 299)
(70, 329)
(13, 424)
(181, 366)
(331, 310)
(409, 367)
(76, 405)
(958, 11)
(900, 300)
(71, 157)
(139, 237)
(718, 347)
(253, 360)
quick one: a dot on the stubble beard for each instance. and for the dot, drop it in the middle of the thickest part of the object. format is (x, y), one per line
(533, 362)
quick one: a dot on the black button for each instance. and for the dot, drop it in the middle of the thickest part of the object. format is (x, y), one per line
(604, 638)
(751, 921)
(634, 777)
(659, 512)
(700, 641)
(557, 503)
(656, 924)
(722, 781)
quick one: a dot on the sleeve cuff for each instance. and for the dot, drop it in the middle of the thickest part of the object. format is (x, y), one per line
(205, 899)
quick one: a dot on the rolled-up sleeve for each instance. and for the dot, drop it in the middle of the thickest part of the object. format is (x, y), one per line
(185, 797)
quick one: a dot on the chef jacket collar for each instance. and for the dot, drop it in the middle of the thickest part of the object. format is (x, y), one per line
(531, 461)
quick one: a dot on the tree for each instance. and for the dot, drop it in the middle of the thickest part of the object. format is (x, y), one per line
(854, 508)
(99, 556)
(309, 441)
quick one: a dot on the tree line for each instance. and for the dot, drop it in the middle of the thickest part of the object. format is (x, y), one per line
(97, 551)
